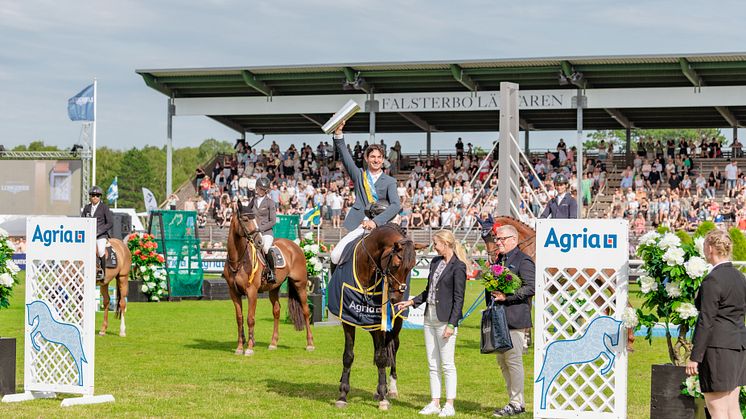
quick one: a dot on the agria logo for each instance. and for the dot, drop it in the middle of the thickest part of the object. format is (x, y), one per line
(567, 241)
(58, 236)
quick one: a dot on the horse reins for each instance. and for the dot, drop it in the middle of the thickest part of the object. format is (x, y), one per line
(386, 273)
(246, 249)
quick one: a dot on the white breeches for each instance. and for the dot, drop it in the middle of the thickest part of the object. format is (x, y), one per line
(351, 236)
(101, 247)
(267, 241)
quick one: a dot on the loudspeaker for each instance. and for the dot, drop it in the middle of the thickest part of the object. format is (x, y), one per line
(122, 226)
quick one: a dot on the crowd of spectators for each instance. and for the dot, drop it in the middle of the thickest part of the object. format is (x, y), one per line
(661, 188)
(665, 187)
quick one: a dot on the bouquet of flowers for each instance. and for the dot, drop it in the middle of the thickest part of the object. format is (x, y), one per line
(672, 273)
(8, 269)
(499, 278)
(148, 265)
(311, 250)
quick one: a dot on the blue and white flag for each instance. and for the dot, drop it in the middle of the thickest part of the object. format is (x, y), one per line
(112, 194)
(312, 216)
(80, 106)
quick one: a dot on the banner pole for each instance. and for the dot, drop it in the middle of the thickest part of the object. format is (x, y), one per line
(95, 117)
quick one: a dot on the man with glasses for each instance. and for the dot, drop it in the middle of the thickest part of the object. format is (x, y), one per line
(563, 205)
(518, 314)
(104, 223)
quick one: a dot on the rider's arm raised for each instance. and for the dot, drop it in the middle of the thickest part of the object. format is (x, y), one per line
(352, 170)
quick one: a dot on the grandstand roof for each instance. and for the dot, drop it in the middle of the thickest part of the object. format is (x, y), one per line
(697, 72)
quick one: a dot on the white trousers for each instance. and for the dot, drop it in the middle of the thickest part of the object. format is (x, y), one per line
(440, 355)
(101, 247)
(351, 236)
(511, 365)
(267, 240)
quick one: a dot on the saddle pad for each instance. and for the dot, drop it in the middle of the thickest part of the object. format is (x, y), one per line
(366, 308)
(111, 257)
(279, 258)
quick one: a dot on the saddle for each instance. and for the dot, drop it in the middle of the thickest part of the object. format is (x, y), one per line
(111, 257)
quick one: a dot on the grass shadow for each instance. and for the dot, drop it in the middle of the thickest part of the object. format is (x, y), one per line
(226, 346)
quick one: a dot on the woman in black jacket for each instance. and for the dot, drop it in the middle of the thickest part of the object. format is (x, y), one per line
(444, 299)
(719, 352)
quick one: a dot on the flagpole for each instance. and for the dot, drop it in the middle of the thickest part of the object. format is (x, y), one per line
(95, 117)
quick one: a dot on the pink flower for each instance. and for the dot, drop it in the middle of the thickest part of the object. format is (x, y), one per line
(497, 269)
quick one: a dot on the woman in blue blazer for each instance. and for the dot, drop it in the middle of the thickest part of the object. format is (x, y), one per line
(444, 299)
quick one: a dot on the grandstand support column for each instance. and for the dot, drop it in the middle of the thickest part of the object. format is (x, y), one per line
(429, 141)
(508, 196)
(169, 146)
(526, 149)
(372, 107)
(580, 102)
(628, 147)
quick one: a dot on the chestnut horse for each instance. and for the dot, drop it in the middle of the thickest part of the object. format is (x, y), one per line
(243, 272)
(527, 245)
(386, 253)
(121, 272)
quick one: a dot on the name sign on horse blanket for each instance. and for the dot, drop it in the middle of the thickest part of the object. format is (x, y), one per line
(581, 294)
(366, 307)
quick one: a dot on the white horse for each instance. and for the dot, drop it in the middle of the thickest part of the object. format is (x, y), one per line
(587, 348)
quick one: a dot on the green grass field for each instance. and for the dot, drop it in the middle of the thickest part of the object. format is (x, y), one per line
(178, 361)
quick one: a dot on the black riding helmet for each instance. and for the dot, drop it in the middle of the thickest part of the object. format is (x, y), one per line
(560, 180)
(263, 183)
(376, 208)
(95, 191)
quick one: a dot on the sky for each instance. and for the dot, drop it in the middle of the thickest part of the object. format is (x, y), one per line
(50, 50)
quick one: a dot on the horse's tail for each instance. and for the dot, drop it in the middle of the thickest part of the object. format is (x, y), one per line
(295, 307)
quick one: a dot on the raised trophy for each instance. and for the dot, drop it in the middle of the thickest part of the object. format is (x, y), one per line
(346, 112)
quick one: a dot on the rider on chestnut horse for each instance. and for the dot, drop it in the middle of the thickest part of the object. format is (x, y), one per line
(264, 209)
(104, 223)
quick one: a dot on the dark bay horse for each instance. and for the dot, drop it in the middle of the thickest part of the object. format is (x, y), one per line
(527, 244)
(121, 273)
(244, 272)
(387, 254)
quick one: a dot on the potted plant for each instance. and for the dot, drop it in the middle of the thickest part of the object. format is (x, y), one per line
(673, 270)
(8, 279)
(148, 267)
(311, 249)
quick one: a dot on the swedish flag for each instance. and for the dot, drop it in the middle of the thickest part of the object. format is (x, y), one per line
(313, 215)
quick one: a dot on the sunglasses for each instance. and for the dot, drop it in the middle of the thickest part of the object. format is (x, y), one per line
(98, 195)
(502, 239)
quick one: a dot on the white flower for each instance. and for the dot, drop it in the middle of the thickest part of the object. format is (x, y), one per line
(12, 267)
(647, 284)
(315, 248)
(318, 266)
(696, 267)
(699, 243)
(10, 245)
(3, 233)
(308, 236)
(673, 290)
(687, 311)
(143, 269)
(144, 288)
(6, 280)
(155, 298)
(163, 284)
(674, 256)
(649, 238)
(669, 241)
(692, 386)
(630, 318)
(296, 241)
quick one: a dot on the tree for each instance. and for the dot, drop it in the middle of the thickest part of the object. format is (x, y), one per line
(37, 145)
(135, 172)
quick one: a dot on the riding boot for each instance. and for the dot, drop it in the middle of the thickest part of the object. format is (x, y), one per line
(269, 257)
(102, 271)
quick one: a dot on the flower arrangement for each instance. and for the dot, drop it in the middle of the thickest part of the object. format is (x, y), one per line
(672, 273)
(148, 265)
(311, 250)
(8, 270)
(499, 278)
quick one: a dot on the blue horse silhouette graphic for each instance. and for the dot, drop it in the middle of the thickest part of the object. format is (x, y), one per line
(51, 330)
(587, 348)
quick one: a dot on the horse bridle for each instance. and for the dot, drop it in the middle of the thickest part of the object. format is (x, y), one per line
(249, 242)
(380, 271)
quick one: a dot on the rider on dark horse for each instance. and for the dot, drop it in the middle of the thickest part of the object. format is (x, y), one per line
(375, 194)
(104, 223)
(264, 208)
